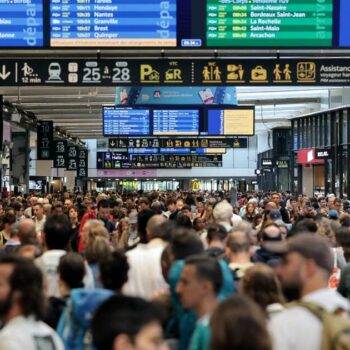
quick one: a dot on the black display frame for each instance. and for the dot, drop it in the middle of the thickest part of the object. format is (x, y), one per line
(184, 26)
(203, 114)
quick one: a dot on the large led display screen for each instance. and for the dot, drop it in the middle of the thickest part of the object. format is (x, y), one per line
(113, 23)
(194, 24)
(178, 121)
(175, 122)
(126, 121)
(227, 122)
(259, 23)
(21, 23)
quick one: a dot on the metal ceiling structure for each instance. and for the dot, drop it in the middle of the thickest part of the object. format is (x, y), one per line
(79, 110)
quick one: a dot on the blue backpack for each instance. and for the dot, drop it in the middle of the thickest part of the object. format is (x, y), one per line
(74, 325)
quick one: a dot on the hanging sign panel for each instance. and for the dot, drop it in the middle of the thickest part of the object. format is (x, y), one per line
(175, 142)
(72, 157)
(182, 72)
(44, 140)
(117, 160)
(60, 153)
(82, 165)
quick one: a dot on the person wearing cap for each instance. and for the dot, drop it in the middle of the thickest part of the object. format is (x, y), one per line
(270, 232)
(333, 214)
(307, 263)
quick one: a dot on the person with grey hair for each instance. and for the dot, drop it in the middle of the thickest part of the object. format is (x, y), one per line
(28, 213)
(47, 209)
(26, 231)
(223, 215)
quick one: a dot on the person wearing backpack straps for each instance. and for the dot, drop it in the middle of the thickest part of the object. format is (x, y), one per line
(309, 323)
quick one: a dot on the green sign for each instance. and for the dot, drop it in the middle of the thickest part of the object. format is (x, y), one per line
(266, 23)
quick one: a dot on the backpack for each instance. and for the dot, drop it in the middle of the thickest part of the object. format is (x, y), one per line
(336, 329)
(74, 325)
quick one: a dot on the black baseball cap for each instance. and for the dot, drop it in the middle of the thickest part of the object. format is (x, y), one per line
(309, 246)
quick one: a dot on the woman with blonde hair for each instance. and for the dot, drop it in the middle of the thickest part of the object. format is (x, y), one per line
(95, 241)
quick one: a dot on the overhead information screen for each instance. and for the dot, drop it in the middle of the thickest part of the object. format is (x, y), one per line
(226, 122)
(113, 23)
(175, 122)
(126, 121)
(269, 23)
(194, 24)
(21, 23)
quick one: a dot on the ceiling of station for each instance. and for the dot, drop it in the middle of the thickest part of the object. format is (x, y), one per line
(79, 110)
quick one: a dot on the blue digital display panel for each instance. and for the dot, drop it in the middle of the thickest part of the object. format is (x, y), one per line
(126, 121)
(143, 150)
(230, 122)
(344, 26)
(216, 122)
(113, 23)
(181, 151)
(175, 122)
(21, 23)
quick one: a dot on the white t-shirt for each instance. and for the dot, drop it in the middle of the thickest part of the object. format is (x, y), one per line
(145, 273)
(39, 225)
(297, 328)
(23, 333)
(48, 264)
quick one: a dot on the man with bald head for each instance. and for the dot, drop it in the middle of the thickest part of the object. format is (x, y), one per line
(26, 232)
(152, 224)
(145, 273)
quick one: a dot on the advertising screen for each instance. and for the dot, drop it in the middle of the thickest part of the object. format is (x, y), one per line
(126, 121)
(21, 23)
(113, 23)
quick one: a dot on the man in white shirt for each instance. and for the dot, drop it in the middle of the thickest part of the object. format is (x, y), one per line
(22, 307)
(56, 237)
(304, 272)
(39, 218)
(145, 273)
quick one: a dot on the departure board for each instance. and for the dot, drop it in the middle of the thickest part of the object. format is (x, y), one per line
(175, 122)
(113, 23)
(269, 23)
(125, 121)
(228, 122)
(21, 23)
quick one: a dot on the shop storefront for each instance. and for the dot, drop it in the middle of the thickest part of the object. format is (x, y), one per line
(274, 170)
(320, 145)
(311, 173)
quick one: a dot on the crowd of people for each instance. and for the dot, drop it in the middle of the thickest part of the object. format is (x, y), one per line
(174, 270)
